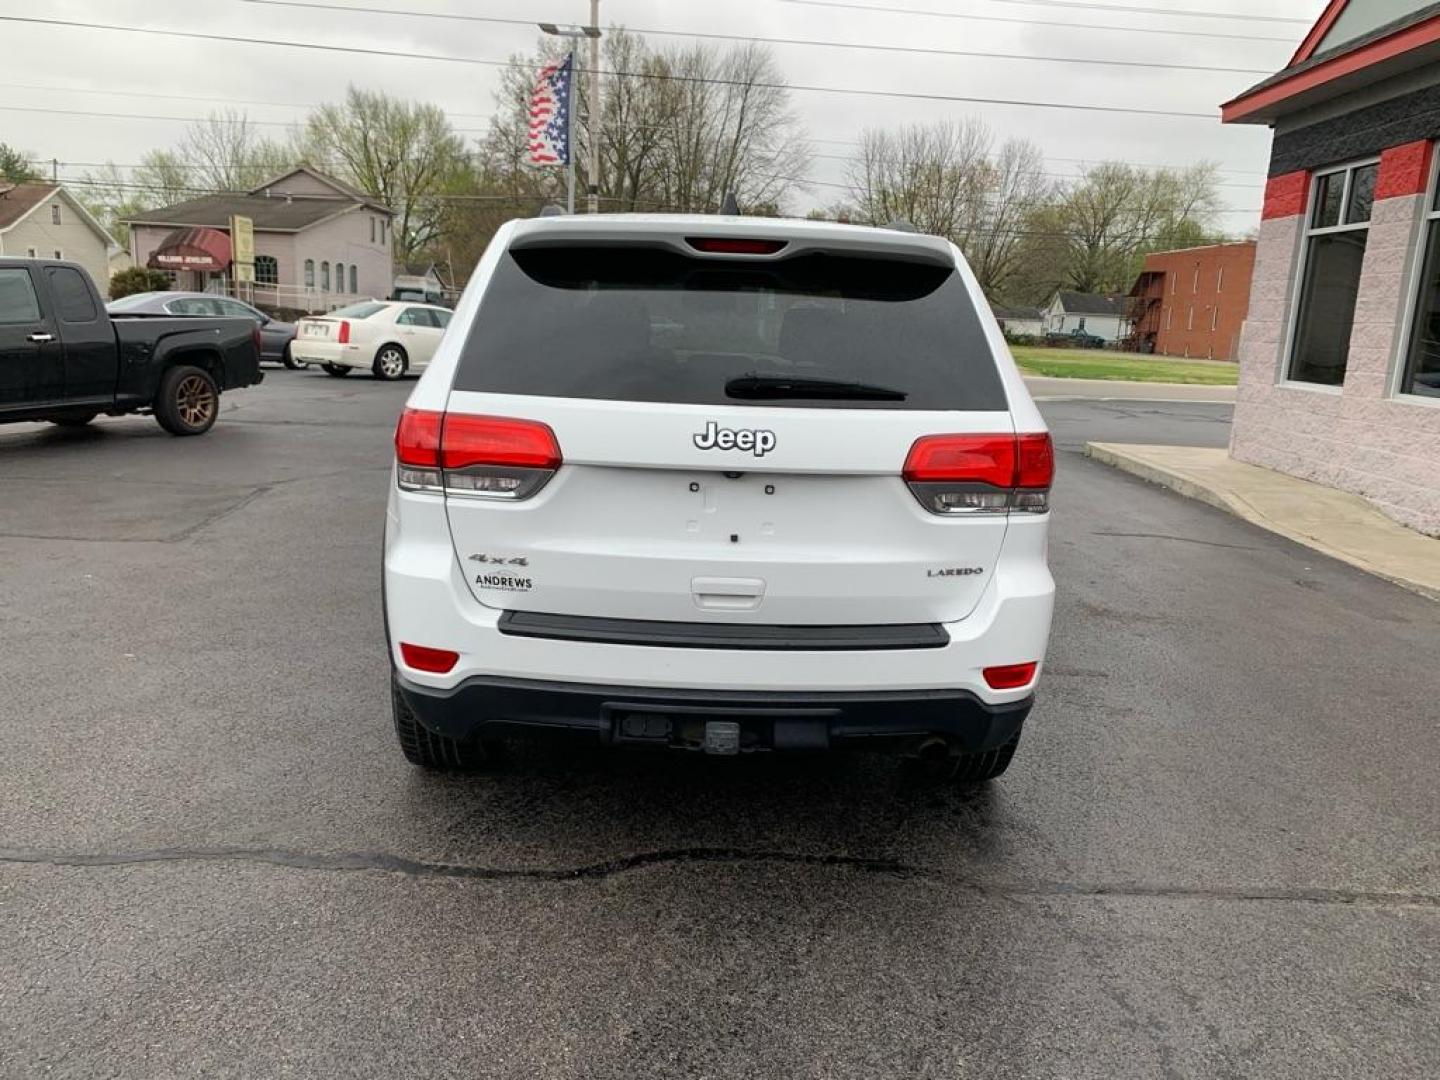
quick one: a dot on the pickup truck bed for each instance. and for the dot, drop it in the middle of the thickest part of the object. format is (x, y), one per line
(63, 359)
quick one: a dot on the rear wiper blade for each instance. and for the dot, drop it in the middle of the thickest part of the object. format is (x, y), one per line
(791, 386)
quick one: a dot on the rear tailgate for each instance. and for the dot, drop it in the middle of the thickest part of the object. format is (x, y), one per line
(682, 498)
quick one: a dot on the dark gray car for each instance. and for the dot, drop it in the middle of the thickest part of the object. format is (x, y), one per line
(275, 336)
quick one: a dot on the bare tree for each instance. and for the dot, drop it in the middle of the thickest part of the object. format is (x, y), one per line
(681, 128)
(934, 176)
(225, 152)
(1016, 186)
(402, 153)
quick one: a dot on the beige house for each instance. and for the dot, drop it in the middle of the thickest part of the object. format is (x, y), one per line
(319, 243)
(44, 221)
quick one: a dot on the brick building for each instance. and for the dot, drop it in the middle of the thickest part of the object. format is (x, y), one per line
(1192, 302)
(1340, 357)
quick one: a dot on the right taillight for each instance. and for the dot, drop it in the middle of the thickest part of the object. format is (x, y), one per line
(981, 474)
(491, 457)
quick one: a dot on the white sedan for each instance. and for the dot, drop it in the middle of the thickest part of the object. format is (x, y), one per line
(388, 337)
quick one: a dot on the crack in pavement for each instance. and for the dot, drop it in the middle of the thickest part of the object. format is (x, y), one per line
(419, 868)
(1181, 539)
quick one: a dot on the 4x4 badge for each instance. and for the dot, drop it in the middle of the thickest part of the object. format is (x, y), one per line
(758, 441)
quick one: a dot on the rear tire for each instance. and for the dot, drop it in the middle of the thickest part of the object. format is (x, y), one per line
(338, 370)
(390, 363)
(438, 753)
(290, 362)
(73, 421)
(188, 401)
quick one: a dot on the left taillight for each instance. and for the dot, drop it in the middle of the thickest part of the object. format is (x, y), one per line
(342, 336)
(490, 457)
(982, 474)
(255, 337)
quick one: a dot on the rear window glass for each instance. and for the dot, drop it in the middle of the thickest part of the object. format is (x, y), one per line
(362, 310)
(644, 324)
(71, 293)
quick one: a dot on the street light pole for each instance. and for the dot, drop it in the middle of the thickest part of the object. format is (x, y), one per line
(596, 113)
(574, 33)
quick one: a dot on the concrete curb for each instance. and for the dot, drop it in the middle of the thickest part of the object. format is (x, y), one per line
(1052, 388)
(1334, 523)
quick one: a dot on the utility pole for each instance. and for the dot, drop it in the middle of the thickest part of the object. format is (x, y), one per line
(596, 113)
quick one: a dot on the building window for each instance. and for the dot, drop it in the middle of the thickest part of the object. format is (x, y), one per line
(267, 270)
(59, 254)
(1334, 254)
(1422, 360)
(55, 213)
(1195, 280)
(1082, 324)
(32, 252)
(1190, 318)
(309, 273)
(372, 230)
(353, 288)
(325, 276)
(1219, 279)
(1169, 314)
(1215, 317)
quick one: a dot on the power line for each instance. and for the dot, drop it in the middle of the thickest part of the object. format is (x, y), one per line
(244, 120)
(752, 84)
(811, 42)
(1156, 11)
(1038, 22)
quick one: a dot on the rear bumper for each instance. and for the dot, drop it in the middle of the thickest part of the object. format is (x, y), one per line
(496, 707)
(327, 352)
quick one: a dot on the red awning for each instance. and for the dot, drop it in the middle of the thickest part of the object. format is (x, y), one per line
(197, 248)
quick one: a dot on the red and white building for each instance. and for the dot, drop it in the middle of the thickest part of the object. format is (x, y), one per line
(1340, 355)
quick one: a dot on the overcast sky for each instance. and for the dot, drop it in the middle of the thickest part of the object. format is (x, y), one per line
(92, 71)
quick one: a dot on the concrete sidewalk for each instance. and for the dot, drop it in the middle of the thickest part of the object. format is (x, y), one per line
(1044, 388)
(1335, 523)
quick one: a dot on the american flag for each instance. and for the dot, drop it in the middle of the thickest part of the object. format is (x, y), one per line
(550, 114)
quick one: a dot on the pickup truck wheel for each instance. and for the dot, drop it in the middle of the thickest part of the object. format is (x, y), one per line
(390, 363)
(338, 370)
(73, 421)
(423, 747)
(188, 401)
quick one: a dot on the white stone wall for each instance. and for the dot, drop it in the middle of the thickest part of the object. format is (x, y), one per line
(1362, 438)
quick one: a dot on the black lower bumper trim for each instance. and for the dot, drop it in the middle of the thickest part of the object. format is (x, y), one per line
(697, 635)
(495, 707)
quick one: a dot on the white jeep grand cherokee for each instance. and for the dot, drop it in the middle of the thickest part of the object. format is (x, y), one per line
(724, 484)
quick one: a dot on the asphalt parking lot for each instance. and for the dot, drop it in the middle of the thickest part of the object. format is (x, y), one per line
(1217, 853)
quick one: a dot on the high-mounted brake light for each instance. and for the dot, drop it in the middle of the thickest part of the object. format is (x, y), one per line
(493, 457)
(981, 474)
(343, 334)
(735, 245)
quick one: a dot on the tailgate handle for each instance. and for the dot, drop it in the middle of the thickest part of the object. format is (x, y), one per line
(727, 594)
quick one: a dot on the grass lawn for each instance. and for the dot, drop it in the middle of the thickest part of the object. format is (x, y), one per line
(1129, 367)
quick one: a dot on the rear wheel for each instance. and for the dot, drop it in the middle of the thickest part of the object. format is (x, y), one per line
(188, 401)
(424, 748)
(290, 362)
(73, 421)
(390, 363)
(338, 370)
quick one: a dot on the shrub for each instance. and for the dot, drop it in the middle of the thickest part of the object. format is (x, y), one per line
(137, 279)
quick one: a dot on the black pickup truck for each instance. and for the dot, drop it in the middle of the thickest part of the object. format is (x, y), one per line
(63, 359)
